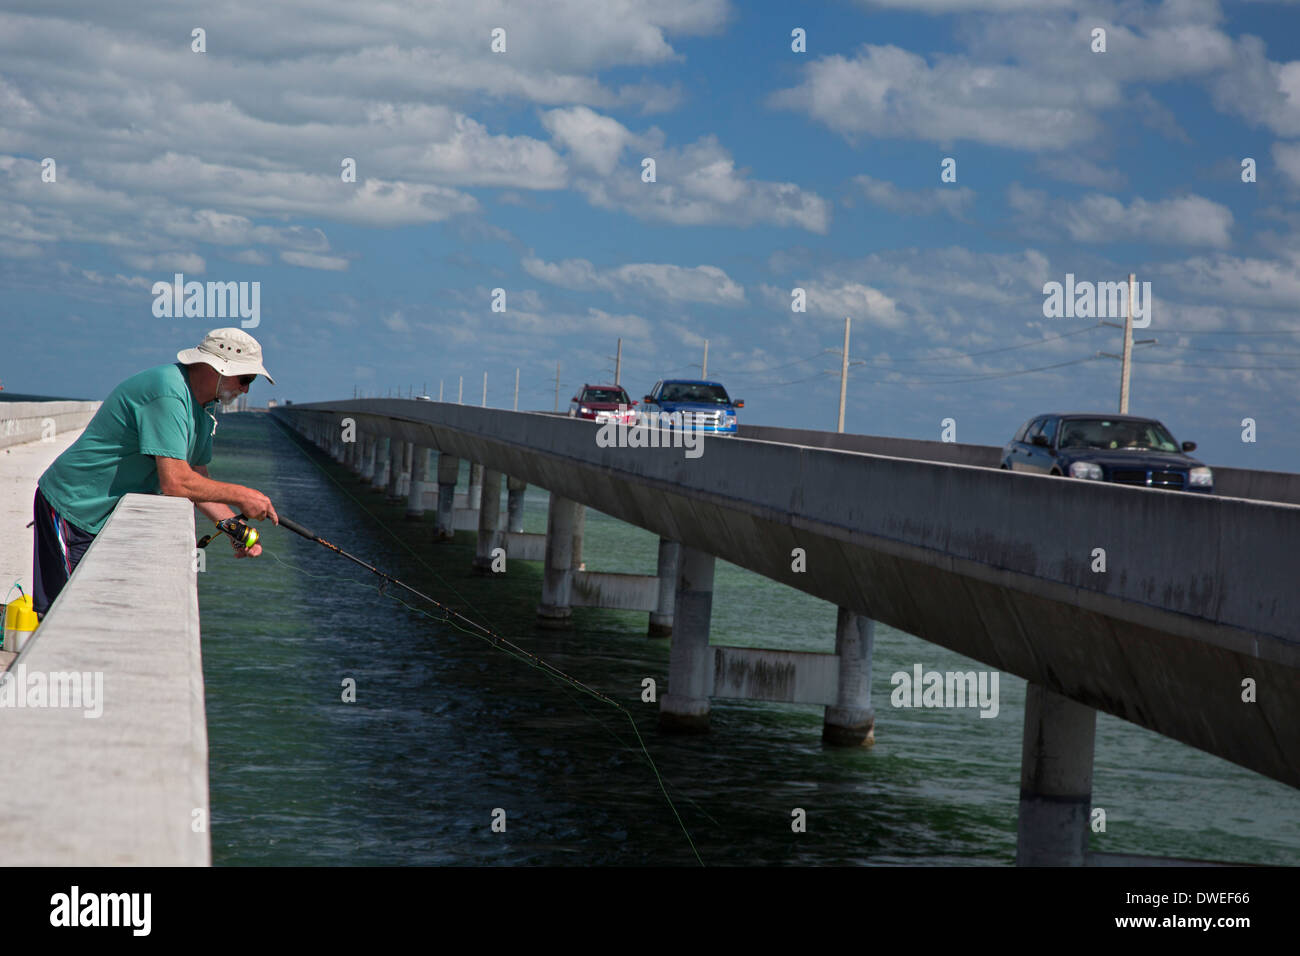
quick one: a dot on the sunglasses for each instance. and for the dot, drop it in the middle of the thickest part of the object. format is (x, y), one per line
(247, 380)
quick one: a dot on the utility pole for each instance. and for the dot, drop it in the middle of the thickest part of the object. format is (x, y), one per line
(1128, 349)
(1126, 355)
(516, 389)
(485, 389)
(618, 361)
(440, 390)
(460, 391)
(557, 386)
(844, 375)
(704, 369)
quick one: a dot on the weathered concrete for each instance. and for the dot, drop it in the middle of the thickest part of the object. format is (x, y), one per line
(661, 618)
(1055, 780)
(792, 677)
(619, 592)
(557, 577)
(525, 547)
(23, 422)
(419, 472)
(382, 461)
(396, 455)
(489, 522)
(1199, 590)
(448, 475)
(515, 504)
(123, 788)
(685, 708)
(850, 721)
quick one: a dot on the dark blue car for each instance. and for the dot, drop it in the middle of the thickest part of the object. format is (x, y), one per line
(1123, 449)
(704, 405)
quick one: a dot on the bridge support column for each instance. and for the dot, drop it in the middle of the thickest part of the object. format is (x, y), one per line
(475, 495)
(685, 708)
(415, 496)
(515, 488)
(661, 618)
(489, 520)
(1055, 780)
(368, 459)
(396, 455)
(579, 532)
(557, 578)
(380, 479)
(448, 475)
(851, 721)
(408, 459)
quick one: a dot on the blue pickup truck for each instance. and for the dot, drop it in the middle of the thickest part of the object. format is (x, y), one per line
(697, 404)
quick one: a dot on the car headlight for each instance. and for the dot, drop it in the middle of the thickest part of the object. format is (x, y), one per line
(1200, 477)
(584, 410)
(1085, 469)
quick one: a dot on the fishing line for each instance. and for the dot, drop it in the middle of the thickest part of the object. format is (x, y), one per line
(451, 617)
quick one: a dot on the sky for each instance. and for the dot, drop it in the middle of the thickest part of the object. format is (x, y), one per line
(504, 146)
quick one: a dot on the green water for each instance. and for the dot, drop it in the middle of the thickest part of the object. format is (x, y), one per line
(446, 729)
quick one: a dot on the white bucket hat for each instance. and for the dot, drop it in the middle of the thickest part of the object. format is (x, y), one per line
(230, 351)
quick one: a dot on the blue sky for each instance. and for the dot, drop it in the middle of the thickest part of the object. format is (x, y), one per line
(775, 169)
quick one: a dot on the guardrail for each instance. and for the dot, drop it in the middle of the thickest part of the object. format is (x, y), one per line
(103, 735)
(22, 422)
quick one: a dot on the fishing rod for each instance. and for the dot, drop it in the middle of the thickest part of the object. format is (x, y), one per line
(246, 536)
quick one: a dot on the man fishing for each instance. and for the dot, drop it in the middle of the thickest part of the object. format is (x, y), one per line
(152, 435)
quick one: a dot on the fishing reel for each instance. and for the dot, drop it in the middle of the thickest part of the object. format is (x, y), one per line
(242, 534)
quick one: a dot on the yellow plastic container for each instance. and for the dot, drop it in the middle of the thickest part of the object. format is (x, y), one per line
(20, 623)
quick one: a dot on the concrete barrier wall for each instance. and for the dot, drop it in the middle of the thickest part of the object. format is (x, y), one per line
(121, 788)
(1198, 592)
(1228, 482)
(26, 421)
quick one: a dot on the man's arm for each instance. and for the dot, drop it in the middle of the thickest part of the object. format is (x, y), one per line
(177, 479)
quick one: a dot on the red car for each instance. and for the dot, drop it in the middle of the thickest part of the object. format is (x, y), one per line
(603, 403)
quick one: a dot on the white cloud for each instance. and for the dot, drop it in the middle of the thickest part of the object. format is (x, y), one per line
(888, 91)
(592, 140)
(707, 284)
(167, 262)
(309, 260)
(1186, 220)
(952, 200)
(699, 184)
(1287, 157)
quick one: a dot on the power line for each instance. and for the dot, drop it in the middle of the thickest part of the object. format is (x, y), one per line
(1231, 332)
(1006, 348)
(1250, 368)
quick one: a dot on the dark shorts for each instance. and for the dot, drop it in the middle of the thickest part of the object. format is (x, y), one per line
(58, 547)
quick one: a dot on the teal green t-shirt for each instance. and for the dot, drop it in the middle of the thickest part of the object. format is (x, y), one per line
(152, 413)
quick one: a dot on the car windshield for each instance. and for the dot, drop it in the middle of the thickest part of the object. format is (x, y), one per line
(615, 395)
(1118, 434)
(694, 392)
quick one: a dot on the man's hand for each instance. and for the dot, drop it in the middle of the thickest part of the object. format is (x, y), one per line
(242, 552)
(257, 507)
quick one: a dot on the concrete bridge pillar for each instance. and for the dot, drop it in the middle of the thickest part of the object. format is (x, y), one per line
(489, 522)
(579, 532)
(448, 475)
(515, 488)
(419, 471)
(408, 457)
(685, 708)
(557, 578)
(661, 618)
(396, 455)
(851, 721)
(475, 495)
(1055, 780)
(368, 459)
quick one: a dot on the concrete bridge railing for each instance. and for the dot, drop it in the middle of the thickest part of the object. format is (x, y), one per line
(103, 736)
(21, 422)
